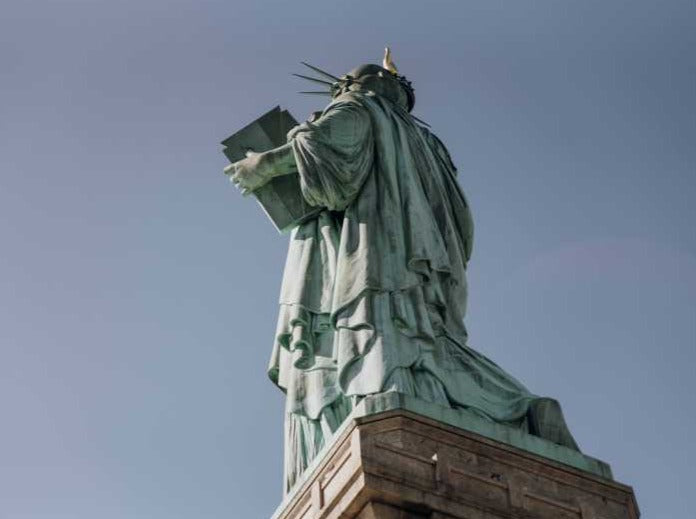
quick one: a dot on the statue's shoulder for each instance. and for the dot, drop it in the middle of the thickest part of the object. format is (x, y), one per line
(347, 99)
(351, 105)
(345, 110)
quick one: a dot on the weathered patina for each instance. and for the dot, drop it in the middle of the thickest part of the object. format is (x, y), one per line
(374, 291)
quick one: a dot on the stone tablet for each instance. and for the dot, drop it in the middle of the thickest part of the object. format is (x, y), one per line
(281, 198)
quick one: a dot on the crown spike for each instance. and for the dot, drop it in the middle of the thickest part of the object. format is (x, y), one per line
(321, 81)
(420, 121)
(320, 71)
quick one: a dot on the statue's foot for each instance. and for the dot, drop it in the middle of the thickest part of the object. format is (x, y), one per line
(545, 419)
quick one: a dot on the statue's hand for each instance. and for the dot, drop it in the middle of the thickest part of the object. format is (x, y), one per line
(249, 173)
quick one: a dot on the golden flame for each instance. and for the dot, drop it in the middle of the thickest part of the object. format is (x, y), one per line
(387, 61)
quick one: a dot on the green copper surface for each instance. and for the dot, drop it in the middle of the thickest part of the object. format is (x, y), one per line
(374, 291)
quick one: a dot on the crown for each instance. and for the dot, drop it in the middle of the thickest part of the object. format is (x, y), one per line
(333, 84)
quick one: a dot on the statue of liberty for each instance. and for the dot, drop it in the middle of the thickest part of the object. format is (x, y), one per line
(374, 290)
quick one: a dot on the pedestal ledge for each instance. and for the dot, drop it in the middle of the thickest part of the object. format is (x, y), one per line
(397, 457)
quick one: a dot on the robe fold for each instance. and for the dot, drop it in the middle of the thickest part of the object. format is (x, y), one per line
(374, 290)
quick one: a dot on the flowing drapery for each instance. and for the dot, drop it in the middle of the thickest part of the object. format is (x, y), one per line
(374, 290)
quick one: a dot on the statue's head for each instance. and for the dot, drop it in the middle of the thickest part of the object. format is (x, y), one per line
(383, 81)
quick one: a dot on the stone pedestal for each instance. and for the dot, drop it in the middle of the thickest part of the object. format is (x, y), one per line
(399, 458)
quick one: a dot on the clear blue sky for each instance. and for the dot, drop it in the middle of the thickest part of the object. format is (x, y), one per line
(138, 289)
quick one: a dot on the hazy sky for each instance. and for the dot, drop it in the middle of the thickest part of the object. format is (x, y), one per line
(138, 289)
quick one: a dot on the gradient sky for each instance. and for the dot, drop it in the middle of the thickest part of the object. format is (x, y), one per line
(138, 289)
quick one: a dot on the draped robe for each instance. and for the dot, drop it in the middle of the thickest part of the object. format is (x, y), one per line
(374, 289)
